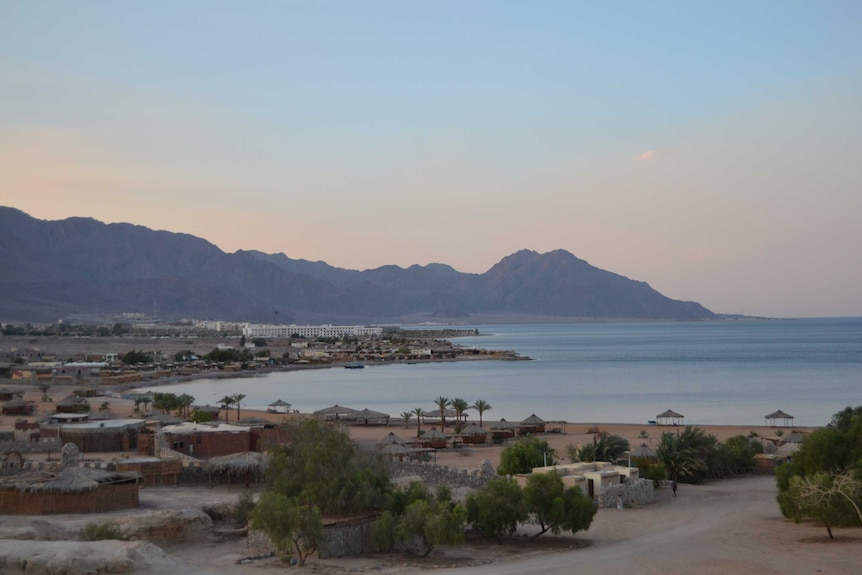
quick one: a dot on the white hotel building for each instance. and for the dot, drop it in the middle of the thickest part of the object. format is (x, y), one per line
(309, 331)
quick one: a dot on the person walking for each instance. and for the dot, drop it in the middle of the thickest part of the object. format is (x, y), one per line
(673, 487)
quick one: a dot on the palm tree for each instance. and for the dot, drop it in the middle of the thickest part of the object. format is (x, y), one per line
(460, 406)
(606, 447)
(418, 411)
(481, 406)
(442, 403)
(225, 403)
(185, 402)
(406, 416)
(237, 400)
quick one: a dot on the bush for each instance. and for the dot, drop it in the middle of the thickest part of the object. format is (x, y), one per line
(244, 507)
(100, 531)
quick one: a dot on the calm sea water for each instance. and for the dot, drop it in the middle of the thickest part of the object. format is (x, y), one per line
(731, 372)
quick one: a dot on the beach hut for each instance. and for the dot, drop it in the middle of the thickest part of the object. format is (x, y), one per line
(773, 417)
(18, 406)
(334, 412)
(432, 438)
(533, 424)
(368, 416)
(474, 434)
(278, 406)
(248, 465)
(502, 430)
(669, 417)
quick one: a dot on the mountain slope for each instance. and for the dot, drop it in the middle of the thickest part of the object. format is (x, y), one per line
(55, 269)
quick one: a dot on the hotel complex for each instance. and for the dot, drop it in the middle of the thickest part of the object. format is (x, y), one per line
(309, 331)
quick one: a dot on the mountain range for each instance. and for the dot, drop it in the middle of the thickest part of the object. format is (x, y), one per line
(81, 267)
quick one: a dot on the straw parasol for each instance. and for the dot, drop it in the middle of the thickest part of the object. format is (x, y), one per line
(395, 450)
(644, 451)
(473, 429)
(368, 415)
(670, 414)
(334, 411)
(390, 439)
(244, 464)
(775, 415)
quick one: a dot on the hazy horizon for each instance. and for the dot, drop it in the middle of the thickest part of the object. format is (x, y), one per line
(711, 151)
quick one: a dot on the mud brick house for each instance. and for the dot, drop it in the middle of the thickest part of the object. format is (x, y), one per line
(98, 435)
(204, 440)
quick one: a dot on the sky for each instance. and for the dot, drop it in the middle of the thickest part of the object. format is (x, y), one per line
(710, 149)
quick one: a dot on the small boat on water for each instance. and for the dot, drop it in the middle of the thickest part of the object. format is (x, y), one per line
(354, 365)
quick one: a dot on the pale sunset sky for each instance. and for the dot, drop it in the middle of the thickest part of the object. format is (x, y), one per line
(711, 149)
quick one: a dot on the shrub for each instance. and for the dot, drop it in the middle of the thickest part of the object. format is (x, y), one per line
(100, 531)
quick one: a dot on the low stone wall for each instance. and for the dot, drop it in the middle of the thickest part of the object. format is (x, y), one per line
(633, 493)
(433, 474)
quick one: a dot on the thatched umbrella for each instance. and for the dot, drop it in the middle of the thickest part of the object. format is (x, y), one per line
(334, 411)
(644, 451)
(391, 439)
(367, 415)
(237, 465)
(532, 424)
(393, 450)
(793, 437)
(670, 414)
(778, 415)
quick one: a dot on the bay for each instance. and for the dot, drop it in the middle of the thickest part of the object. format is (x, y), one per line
(724, 372)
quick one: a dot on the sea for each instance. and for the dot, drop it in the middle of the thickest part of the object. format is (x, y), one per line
(731, 372)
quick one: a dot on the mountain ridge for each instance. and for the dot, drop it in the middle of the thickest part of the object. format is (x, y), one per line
(62, 268)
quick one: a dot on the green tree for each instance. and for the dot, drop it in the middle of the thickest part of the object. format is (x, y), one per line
(418, 411)
(525, 454)
(442, 403)
(355, 480)
(136, 356)
(830, 499)
(184, 355)
(166, 402)
(226, 402)
(44, 387)
(293, 527)
(433, 523)
(481, 406)
(736, 456)
(686, 454)
(184, 404)
(237, 401)
(605, 447)
(497, 508)
(406, 416)
(824, 480)
(460, 406)
(555, 508)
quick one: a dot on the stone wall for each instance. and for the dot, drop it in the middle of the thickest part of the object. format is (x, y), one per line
(434, 475)
(634, 493)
